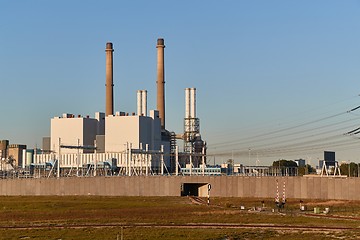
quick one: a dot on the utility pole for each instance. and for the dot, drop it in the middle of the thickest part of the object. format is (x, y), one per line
(147, 159)
(203, 161)
(190, 161)
(232, 160)
(78, 160)
(176, 160)
(58, 162)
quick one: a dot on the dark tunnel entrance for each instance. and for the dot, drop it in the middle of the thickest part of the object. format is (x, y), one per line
(194, 189)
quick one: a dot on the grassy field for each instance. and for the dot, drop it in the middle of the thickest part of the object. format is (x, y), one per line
(125, 218)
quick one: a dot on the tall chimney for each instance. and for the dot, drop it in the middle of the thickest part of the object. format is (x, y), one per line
(187, 103)
(144, 102)
(160, 81)
(193, 102)
(139, 102)
(109, 80)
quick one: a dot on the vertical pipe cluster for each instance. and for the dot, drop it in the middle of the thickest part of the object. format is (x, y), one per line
(142, 102)
(109, 109)
(160, 81)
(190, 102)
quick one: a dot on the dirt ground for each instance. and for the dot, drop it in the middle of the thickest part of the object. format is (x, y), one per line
(90, 217)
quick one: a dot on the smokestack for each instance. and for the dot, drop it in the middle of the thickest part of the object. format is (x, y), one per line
(190, 102)
(187, 102)
(139, 102)
(109, 109)
(142, 103)
(160, 81)
(193, 102)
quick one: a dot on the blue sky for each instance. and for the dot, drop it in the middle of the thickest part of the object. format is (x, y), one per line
(258, 66)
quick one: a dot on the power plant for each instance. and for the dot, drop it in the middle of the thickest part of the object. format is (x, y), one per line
(135, 145)
(122, 143)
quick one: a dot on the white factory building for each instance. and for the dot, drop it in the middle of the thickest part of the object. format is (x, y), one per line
(134, 141)
(138, 131)
(74, 130)
(115, 132)
(130, 144)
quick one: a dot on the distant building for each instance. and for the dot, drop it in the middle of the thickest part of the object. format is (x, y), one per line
(300, 162)
(329, 165)
(4, 148)
(46, 144)
(17, 152)
(329, 158)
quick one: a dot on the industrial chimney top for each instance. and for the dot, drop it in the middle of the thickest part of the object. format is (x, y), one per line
(109, 46)
(160, 42)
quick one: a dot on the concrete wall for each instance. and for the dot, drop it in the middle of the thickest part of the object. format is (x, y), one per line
(69, 130)
(100, 143)
(145, 132)
(119, 131)
(224, 186)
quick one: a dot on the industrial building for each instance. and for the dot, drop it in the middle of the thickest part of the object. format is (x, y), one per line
(76, 131)
(4, 148)
(17, 152)
(123, 143)
(12, 156)
(139, 144)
